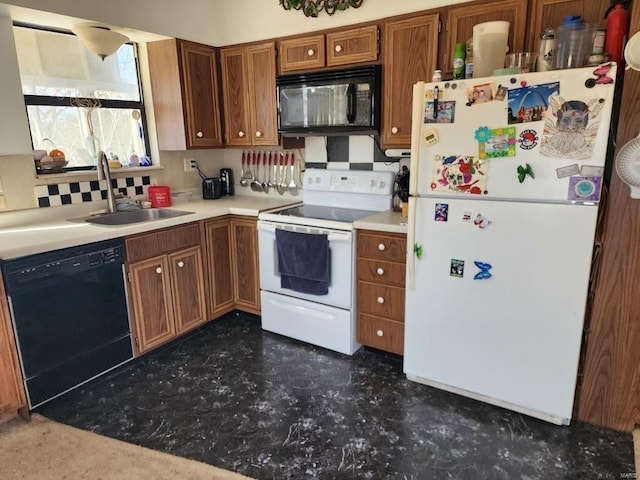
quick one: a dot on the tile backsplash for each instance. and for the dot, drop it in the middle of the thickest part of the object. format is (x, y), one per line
(347, 153)
(91, 191)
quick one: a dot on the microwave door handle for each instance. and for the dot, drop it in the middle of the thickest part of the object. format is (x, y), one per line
(351, 103)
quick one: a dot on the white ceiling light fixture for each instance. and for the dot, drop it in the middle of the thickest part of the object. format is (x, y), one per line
(100, 40)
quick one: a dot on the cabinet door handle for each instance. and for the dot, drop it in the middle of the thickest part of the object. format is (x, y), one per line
(381, 247)
(338, 48)
(258, 134)
(241, 134)
(380, 333)
(159, 270)
(394, 129)
(311, 52)
(380, 271)
(380, 300)
(180, 264)
(199, 134)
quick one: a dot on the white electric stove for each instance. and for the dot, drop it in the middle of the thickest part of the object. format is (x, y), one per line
(333, 200)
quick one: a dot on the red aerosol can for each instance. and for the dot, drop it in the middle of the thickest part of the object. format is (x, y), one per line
(617, 30)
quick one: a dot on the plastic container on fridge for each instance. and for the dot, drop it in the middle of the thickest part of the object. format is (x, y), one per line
(574, 41)
(490, 45)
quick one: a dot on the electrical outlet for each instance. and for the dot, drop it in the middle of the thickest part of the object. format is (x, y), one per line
(189, 164)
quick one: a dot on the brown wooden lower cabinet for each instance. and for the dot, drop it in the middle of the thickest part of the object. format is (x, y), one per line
(381, 280)
(167, 290)
(232, 262)
(12, 397)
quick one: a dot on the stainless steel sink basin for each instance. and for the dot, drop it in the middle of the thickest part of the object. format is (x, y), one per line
(134, 216)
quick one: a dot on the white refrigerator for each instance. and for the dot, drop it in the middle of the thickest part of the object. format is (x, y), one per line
(506, 176)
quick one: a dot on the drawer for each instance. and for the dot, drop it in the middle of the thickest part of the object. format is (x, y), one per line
(379, 271)
(381, 333)
(382, 247)
(381, 300)
(158, 242)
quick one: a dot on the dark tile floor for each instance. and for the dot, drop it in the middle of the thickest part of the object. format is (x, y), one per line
(269, 407)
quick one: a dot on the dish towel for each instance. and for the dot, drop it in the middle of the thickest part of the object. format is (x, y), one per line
(303, 261)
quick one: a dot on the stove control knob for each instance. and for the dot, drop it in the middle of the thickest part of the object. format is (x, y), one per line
(318, 179)
(381, 185)
(373, 183)
(310, 181)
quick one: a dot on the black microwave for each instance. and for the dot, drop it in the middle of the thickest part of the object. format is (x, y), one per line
(336, 102)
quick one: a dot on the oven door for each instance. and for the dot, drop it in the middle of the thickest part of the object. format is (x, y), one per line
(340, 266)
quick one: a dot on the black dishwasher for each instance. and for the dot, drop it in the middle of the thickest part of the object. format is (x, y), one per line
(69, 314)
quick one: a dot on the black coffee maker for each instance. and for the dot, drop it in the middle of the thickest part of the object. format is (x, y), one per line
(226, 181)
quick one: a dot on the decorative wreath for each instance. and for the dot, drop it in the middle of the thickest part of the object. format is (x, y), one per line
(311, 8)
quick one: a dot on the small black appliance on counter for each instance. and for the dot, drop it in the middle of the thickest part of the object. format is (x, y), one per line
(226, 181)
(211, 188)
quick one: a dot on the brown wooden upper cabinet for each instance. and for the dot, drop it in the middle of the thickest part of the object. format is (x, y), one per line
(184, 82)
(551, 13)
(335, 48)
(410, 55)
(461, 19)
(249, 94)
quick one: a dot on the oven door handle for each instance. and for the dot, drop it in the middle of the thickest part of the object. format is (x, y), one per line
(332, 236)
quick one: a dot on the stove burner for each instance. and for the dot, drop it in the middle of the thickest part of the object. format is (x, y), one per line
(321, 212)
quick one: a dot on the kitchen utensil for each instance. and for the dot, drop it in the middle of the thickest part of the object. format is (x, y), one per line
(293, 188)
(280, 185)
(265, 173)
(256, 186)
(273, 174)
(525, 61)
(628, 165)
(243, 172)
(574, 40)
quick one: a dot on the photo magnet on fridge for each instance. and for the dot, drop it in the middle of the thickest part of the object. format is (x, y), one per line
(457, 268)
(496, 142)
(446, 112)
(530, 103)
(442, 212)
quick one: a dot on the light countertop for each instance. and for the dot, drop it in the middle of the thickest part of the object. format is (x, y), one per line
(36, 234)
(387, 221)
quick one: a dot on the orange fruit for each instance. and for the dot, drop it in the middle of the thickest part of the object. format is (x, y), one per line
(56, 153)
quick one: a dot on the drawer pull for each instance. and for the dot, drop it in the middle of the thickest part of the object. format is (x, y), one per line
(380, 333)
(311, 52)
(394, 129)
(381, 247)
(258, 134)
(241, 134)
(159, 270)
(380, 300)
(180, 264)
(380, 271)
(338, 48)
(199, 134)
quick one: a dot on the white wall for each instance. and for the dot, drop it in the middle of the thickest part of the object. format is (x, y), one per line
(221, 22)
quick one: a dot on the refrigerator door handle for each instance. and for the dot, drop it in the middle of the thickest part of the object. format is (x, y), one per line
(411, 241)
(416, 125)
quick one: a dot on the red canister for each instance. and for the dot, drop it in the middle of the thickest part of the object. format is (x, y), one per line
(160, 196)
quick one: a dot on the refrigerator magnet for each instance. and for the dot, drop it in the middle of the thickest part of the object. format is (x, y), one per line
(443, 111)
(568, 171)
(466, 216)
(457, 268)
(481, 93)
(484, 272)
(591, 171)
(442, 212)
(523, 171)
(496, 142)
(528, 139)
(417, 250)
(585, 189)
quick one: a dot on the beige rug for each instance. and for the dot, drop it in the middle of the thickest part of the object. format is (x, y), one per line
(46, 450)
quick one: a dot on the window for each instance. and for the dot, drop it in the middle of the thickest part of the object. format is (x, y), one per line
(78, 103)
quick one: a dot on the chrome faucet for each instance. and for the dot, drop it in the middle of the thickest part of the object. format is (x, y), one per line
(103, 171)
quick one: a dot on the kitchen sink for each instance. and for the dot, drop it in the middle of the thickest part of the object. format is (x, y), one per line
(133, 216)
